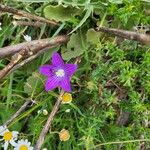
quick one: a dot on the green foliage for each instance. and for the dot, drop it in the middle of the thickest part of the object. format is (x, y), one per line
(74, 47)
(60, 12)
(92, 36)
(33, 84)
(113, 77)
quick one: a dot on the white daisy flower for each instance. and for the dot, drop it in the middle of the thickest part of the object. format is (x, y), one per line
(8, 136)
(27, 38)
(23, 145)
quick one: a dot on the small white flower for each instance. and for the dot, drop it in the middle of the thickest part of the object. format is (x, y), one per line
(23, 145)
(39, 111)
(67, 110)
(27, 38)
(8, 136)
(14, 23)
(45, 112)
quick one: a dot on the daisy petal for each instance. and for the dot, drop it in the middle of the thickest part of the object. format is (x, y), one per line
(31, 148)
(57, 60)
(12, 142)
(6, 145)
(46, 70)
(51, 83)
(65, 84)
(70, 69)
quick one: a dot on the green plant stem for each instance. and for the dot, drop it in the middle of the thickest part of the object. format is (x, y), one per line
(9, 93)
(122, 142)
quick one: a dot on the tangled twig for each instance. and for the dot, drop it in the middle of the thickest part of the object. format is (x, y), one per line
(31, 52)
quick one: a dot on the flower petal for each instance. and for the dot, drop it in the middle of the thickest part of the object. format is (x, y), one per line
(6, 145)
(46, 70)
(70, 69)
(12, 142)
(65, 84)
(3, 129)
(57, 60)
(51, 83)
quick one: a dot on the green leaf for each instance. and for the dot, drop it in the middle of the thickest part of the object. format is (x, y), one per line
(74, 47)
(92, 36)
(34, 84)
(86, 16)
(60, 13)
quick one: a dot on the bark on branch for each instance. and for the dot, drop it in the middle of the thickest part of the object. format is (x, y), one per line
(25, 14)
(10, 50)
(143, 38)
(36, 24)
(27, 52)
(48, 123)
(21, 109)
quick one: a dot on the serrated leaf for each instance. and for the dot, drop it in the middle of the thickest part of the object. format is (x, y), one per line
(60, 13)
(92, 36)
(34, 84)
(74, 47)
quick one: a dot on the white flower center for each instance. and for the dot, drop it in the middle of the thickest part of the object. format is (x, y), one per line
(60, 73)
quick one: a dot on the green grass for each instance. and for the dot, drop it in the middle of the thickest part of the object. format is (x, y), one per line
(113, 76)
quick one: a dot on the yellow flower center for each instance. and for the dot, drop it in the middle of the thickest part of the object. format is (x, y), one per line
(64, 135)
(8, 136)
(60, 73)
(67, 98)
(23, 147)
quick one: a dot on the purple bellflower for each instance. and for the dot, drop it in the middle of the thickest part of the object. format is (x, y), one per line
(59, 73)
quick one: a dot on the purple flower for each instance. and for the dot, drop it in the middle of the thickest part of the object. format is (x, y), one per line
(59, 73)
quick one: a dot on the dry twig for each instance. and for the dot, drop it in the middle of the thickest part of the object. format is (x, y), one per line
(26, 53)
(12, 63)
(29, 59)
(21, 109)
(33, 45)
(22, 13)
(36, 24)
(48, 123)
(50, 118)
(143, 38)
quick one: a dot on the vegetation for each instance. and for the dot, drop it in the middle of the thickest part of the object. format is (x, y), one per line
(111, 88)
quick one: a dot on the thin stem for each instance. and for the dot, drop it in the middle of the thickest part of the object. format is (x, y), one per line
(122, 142)
(21, 109)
